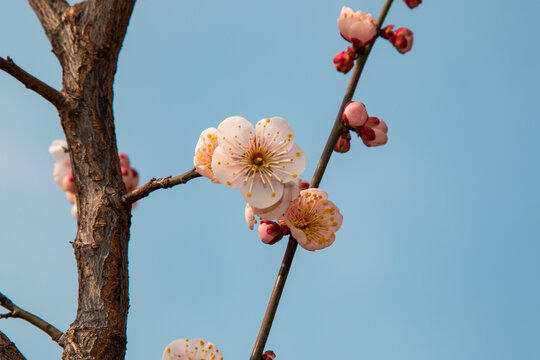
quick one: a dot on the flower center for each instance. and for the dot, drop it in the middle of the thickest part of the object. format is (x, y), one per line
(257, 160)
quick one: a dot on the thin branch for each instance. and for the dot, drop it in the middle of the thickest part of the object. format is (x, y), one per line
(8, 350)
(17, 312)
(52, 95)
(155, 184)
(336, 131)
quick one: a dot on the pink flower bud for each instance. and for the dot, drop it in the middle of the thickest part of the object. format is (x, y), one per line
(268, 355)
(271, 232)
(124, 160)
(412, 3)
(387, 32)
(344, 143)
(355, 115)
(357, 27)
(68, 184)
(344, 61)
(402, 40)
(373, 133)
(130, 177)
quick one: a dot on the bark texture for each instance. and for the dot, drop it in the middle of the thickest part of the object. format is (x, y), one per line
(8, 350)
(86, 38)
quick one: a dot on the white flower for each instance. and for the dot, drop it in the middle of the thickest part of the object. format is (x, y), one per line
(313, 220)
(357, 27)
(194, 349)
(203, 153)
(62, 167)
(258, 161)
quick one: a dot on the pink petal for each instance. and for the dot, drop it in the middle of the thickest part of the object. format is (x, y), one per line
(235, 129)
(291, 190)
(261, 195)
(291, 165)
(274, 132)
(249, 215)
(225, 172)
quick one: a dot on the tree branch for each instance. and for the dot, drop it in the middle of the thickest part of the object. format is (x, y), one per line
(52, 95)
(288, 257)
(8, 350)
(49, 14)
(17, 312)
(155, 184)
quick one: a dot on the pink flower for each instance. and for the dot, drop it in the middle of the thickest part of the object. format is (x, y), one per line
(402, 40)
(259, 161)
(124, 159)
(194, 349)
(130, 177)
(344, 61)
(313, 220)
(355, 115)
(68, 184)
(373, 133)
(203, 153)
(344, 143)
(358, 28)
(412, 3)
(271, 232)
(62, 167)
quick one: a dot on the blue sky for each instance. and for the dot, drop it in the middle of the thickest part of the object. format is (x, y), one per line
(438, 256)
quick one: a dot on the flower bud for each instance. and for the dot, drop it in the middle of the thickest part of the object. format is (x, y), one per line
(271, 232)
(412, 3)
(124, 159)
(68, 184)
(344, 61)
(130, 177)
(354, 115)
(402, 40)
(357, 27)
(387, 32)
(268, 355)
(374, 131)
(344, 143)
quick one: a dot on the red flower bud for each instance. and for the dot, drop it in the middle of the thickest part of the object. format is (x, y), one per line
(271, 232)
(344, 143)
(402, 40)
(344, 61)
(268, 355)
(387, 32)
(354, 115)
(412, 3)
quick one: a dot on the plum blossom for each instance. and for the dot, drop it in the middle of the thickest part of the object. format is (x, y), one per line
(271, 232)
(358, 27)
(62, 167)
(412, 3)
(313, 219)
(344, 61)
(258, 161)
(343, 143)
(194, 349)
(402, 38)
(203, 153)
(355, 115)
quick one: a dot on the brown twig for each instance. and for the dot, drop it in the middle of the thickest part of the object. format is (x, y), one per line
(52, 95)
(17, 312)
(336, 131)
(155, 184)
(8, 350)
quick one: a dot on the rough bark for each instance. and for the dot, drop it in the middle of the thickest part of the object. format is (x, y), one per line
(86, 38)
(8, 350)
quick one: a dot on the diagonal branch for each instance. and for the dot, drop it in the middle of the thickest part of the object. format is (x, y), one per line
(49, 14)
(8, 350)
(155, 184)
(17, 312)
(52, 95)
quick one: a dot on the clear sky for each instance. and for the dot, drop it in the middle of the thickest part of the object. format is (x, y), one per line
(439, 253)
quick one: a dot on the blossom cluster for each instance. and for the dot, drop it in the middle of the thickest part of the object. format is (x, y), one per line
(64, 178)
(264, 163)
(194, 349)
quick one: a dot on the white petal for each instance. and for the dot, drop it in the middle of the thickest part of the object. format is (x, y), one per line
(261, 195)
(275, 132)
(299, 236)
(233, 129)
(60, 170)
(230, 175)
(291, 190)
(291, 165)
(58, 150)
(249, 215)
(323, 195)
(194, 349)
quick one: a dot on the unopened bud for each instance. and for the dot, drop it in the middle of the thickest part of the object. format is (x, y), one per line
(130, 177)
(268, 355)
(124, 159)
(373, 133)
(271, 232)
(68, 184)
(344, 61)
(412, 3)
(355, 115)
(344, 143)
(387, 32)
(402, 40)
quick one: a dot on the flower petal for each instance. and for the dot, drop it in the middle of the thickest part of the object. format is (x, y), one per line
(194, 349)
(299, 236)
(234, 129)
(225, 172)
(249, 215)
(58, 150)
(276, 133)
(261, 195)
(291, 190)
(291, 165)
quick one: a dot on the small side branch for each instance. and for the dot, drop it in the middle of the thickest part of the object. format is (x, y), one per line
(8, 350)
(52, 95)
(17, 312)
(155, 184)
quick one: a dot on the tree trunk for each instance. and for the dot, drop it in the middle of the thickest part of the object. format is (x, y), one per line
(86, 38)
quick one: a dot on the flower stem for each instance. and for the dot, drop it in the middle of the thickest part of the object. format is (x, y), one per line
(336, 131)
